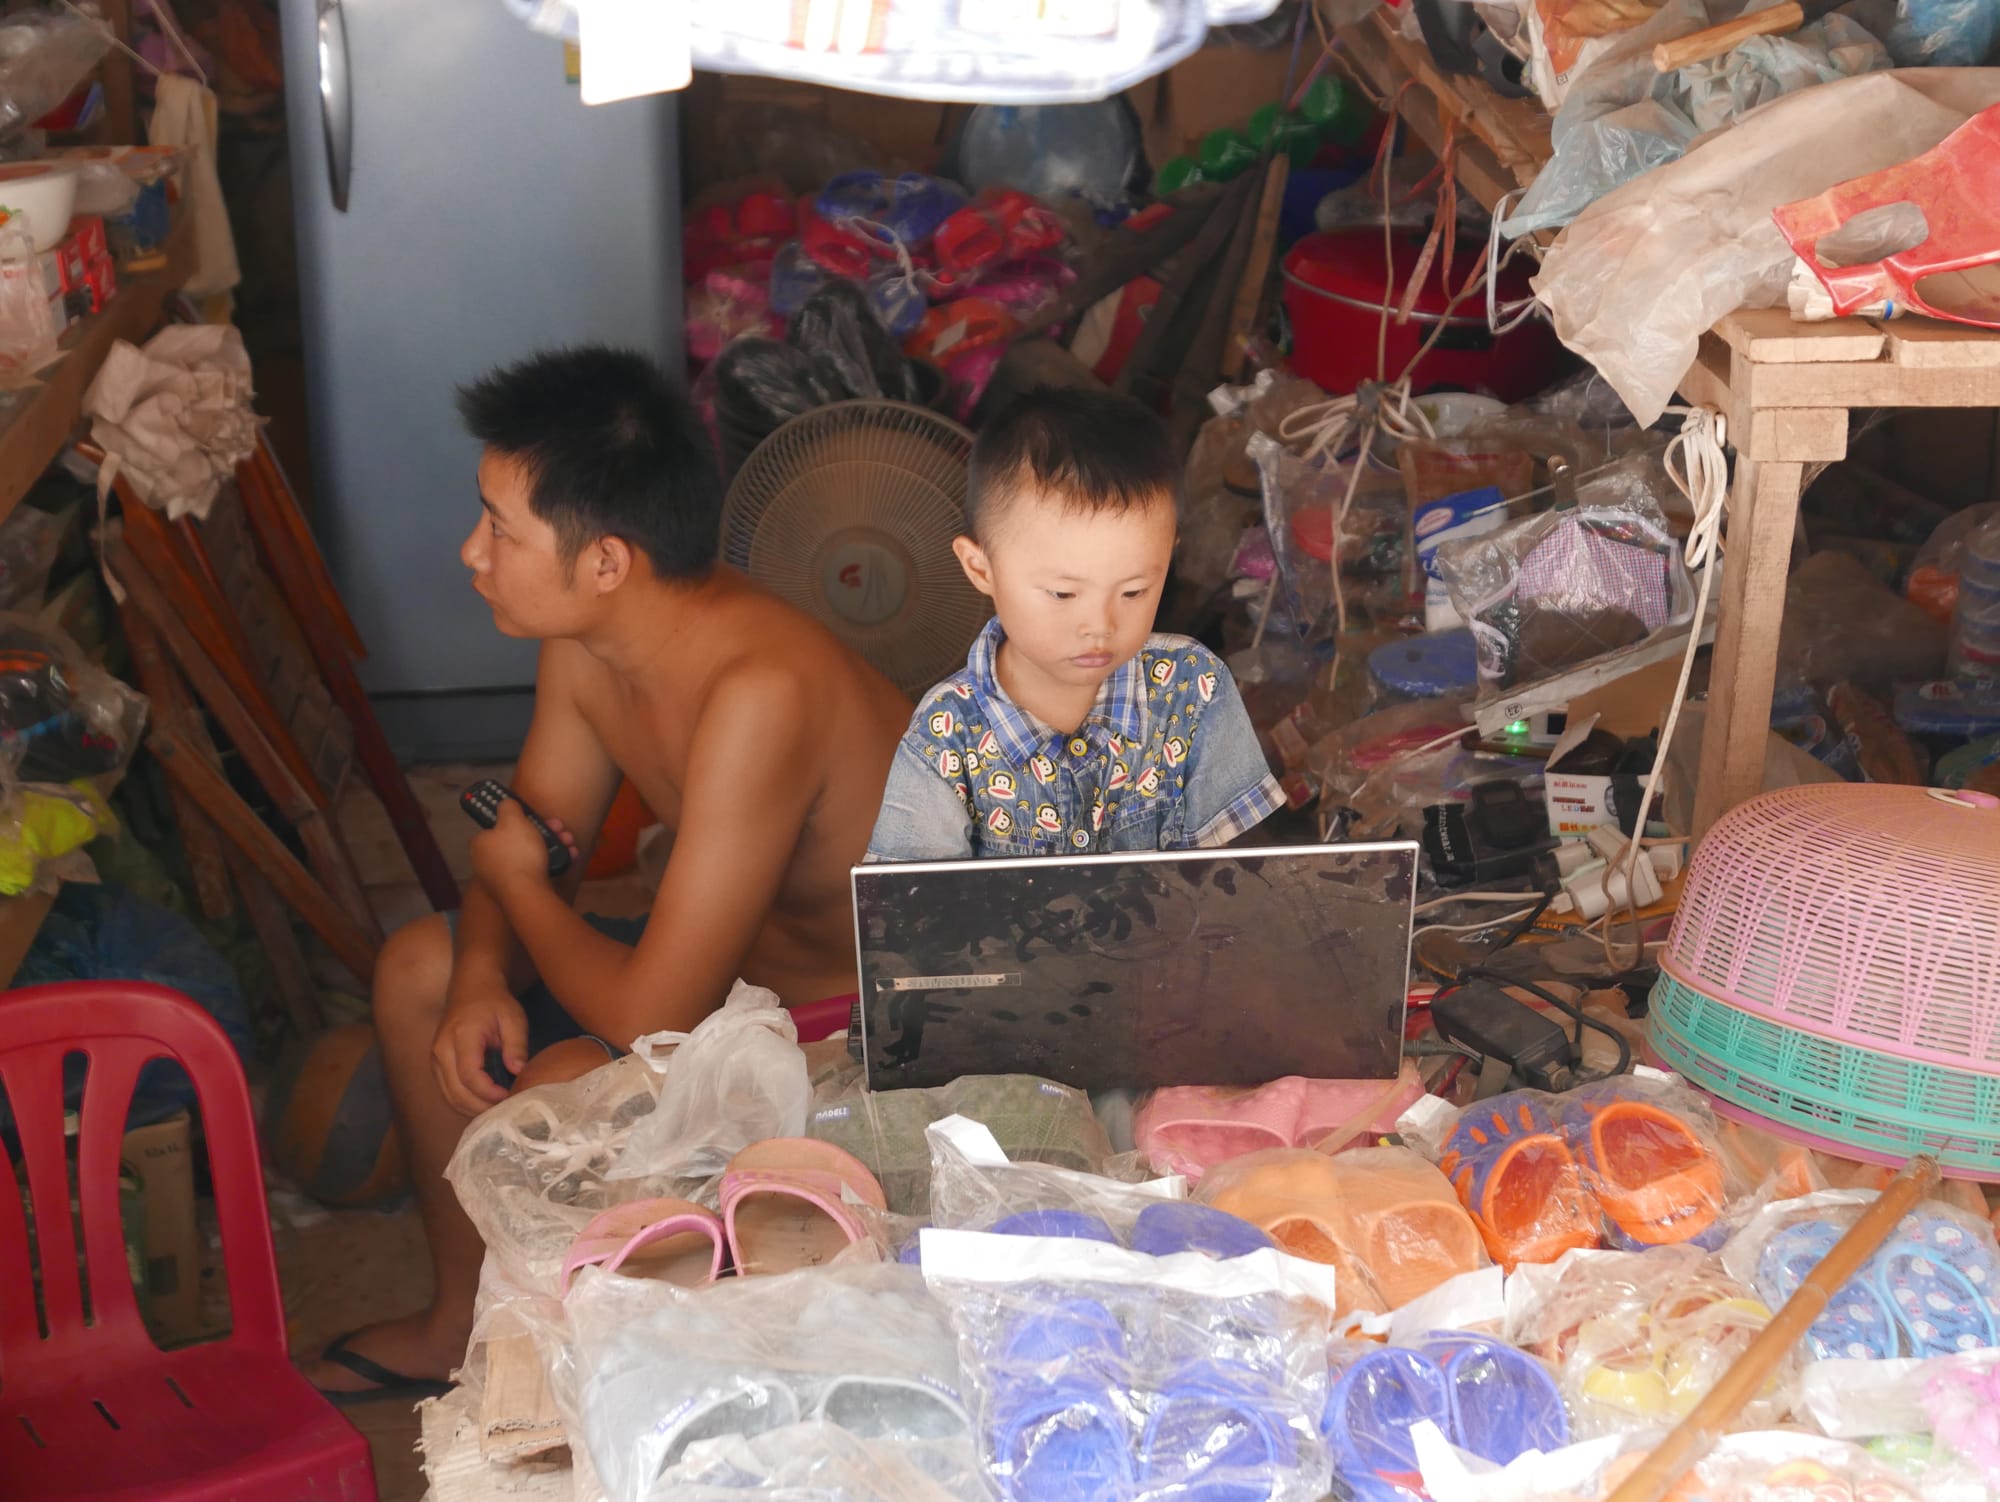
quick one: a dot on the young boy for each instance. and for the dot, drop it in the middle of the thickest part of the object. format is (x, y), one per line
(1072, 729)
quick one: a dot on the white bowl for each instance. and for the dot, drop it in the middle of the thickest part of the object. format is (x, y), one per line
(45, 195)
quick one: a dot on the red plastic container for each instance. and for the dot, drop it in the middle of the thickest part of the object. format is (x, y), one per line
(1334, 285)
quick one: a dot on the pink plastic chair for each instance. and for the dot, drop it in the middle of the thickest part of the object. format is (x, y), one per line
(89, 1406)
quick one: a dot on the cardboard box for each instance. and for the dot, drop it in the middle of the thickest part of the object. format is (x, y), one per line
(163, 1156)
(1579, 803)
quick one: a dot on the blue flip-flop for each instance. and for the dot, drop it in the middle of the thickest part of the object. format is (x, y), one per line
(1182, 1226)
(1216, 1434)
(1857, 1322)
(1940, 1279)
(1504, 1403)
(1062, 1440)
(1071, 1225)
(1373, 1406)
(1064, 1331)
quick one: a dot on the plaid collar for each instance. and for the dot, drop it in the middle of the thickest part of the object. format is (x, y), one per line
(1120, 708)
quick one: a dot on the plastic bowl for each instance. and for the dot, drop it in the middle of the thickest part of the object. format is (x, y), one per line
(44, 195)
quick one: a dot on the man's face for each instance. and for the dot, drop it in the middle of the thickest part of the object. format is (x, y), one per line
(1076, 592)
(516, 566)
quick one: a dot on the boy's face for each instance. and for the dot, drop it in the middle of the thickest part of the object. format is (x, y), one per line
(517, 565)
(1075, 591)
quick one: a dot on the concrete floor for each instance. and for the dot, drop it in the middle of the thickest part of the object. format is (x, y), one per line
(344, 1268)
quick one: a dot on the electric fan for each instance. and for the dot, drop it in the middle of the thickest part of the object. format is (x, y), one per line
(848, 512)
(1833, 972)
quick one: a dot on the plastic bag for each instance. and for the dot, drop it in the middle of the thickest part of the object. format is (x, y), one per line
(738, 1078)
(975, 1187)
(28, 324)
(533, 1170)
(1932, 585)
(1561, 588)
(1383, 1218)
(653, 1369)
(1471, 1392)
(43, 57)
(1190, 1129)
(1841, 624)
(61, 717)
(824, 1463)
(1034, 1120)
(1975, 620)
(1629, 1162)
(43, 829)
(30, 539)
(1927, 1291)
(1098, 1372)
(1850, 1399)
(1943, 33)
(1622, 117)
(1633, 283)
(1637, 1339)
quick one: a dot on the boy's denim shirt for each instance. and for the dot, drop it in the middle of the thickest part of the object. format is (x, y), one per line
(1166, 760)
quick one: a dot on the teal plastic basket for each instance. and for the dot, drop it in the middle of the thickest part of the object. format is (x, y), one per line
(1847, 1099)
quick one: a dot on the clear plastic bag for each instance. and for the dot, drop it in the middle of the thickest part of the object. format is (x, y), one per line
(652, 1369)
(820, 1462)
(43, 829)
(61, 716)
(1842, 624)
(28, 326)
(1638, 1338)
(1097, 1372)
(532, 1171)
(1621, 118)
(30, 539)
(1383, 1218)
(1034, 1120)
(1642, 273)
(1927, 1291)
(43, 57)
(1558, 589)
(974, 1187)
(1629, 1162)
(1933, 580)
(738, 1078)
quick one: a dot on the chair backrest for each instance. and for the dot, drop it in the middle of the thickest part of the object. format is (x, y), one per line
(118, 1027)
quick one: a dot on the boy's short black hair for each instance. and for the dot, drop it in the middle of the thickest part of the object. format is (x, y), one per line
(613, 448)
(1096, 450)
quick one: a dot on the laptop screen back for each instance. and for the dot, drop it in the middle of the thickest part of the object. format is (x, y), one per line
(1203, 967)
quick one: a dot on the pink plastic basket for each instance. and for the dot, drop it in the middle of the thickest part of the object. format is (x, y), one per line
(1867, 915)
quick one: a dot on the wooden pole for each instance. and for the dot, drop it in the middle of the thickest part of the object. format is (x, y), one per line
(1696, 1434)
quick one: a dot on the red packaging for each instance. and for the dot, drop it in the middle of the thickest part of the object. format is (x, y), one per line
(88, 232)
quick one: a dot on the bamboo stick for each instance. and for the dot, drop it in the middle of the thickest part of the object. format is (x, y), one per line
(1696, 1434)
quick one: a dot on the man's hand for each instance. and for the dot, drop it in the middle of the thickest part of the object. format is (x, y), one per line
(512, 851)
(482, 1019)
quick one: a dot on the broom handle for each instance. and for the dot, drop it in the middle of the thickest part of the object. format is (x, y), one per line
(1696, 1434)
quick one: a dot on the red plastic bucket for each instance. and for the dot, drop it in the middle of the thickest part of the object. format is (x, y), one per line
(1334, 285)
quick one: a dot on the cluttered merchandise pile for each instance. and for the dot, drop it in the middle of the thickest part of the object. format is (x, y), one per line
(1501, 1258)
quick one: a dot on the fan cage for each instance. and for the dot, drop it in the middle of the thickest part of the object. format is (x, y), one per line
(1849, 1099)
(872, 480)
(1868, 915)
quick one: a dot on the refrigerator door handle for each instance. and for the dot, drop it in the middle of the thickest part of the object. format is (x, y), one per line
(336, 99)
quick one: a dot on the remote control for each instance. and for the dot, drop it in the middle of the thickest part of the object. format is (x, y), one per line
(481, 803)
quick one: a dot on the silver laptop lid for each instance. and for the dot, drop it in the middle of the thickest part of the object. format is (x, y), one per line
(1210, 967)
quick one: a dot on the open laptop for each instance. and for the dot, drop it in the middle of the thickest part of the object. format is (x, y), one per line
(1210, 967)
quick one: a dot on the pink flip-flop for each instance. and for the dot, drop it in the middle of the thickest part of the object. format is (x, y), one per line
(670, 1240)
(1189, 1129)
(790, 1203)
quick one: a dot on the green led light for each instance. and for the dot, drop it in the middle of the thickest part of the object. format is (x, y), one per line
(1519, 727)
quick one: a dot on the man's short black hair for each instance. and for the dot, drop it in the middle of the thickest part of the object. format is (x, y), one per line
(613, 450)
(1095, 450)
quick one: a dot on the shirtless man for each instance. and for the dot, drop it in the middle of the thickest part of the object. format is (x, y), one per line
(760, 742)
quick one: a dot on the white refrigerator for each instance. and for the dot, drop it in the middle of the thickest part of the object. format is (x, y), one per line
(457, 206)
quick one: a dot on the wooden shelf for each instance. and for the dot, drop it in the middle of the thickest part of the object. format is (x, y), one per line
(36, 424)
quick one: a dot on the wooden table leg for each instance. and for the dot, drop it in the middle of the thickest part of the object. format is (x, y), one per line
(1763, 507)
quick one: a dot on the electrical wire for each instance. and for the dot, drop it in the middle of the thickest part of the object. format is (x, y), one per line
(1583, 1019)
(1446, 901)
(1472, 928)
(1702, 475)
